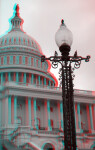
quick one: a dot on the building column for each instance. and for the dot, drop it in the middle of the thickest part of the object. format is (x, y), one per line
(59, 115)
(47, 115)
(61, 111)
(79, 116)
(9, 109)
(29, 110)
(35, 114)
(32, 113)
(76, 116)
(27, 114)
(91, 119)
(15, 109)
(48, 110)
(88, 117)
(93, 115)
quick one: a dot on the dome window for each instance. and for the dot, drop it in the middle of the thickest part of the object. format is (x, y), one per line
(2, 60)
(8, 60)
(5, 41)
(1, 42)
(14, 59)
(32, 61)
(19, 40)
(37, 63)
(28, 42)
(20, 60)
(32, 43)
(26, 60)
(24, 41)
(14, 40)
(9, 41)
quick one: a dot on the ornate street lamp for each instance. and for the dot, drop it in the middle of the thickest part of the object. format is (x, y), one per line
(64, 40)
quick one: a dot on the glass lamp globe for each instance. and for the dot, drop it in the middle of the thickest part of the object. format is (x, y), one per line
(64, 39)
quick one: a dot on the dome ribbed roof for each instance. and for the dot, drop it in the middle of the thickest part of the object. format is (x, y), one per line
(17, 36)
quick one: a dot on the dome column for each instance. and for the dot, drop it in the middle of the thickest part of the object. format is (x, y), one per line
(44, 81)
(9, 76)
(17, 77)
(2, 78)
(32, 78)
(39, 79)
(24, 78)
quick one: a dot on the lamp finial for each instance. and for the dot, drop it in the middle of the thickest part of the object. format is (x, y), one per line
(62, 22)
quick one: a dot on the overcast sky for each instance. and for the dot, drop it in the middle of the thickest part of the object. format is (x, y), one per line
(42, 19)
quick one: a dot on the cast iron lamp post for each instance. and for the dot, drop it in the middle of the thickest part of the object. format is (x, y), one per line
(64, 40)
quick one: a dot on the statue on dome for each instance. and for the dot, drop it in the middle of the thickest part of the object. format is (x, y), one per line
(17, 10)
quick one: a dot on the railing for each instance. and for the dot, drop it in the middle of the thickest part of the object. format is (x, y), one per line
(28, 85)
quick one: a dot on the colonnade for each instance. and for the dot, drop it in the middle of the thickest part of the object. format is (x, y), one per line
(23, 77)
(90, 110)
(8, 116)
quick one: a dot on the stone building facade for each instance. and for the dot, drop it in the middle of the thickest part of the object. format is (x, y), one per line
(31, 109)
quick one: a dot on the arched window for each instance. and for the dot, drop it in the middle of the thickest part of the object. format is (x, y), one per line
(48, 146)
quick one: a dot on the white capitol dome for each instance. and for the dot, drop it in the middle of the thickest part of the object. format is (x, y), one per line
(17, 37)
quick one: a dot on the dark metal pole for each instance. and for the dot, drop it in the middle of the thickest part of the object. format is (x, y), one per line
(67, 92)
(68, 108)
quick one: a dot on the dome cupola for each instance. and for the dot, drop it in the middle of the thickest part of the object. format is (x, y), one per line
(17, 21)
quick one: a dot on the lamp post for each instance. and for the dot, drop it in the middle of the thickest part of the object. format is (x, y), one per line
(64, 40)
